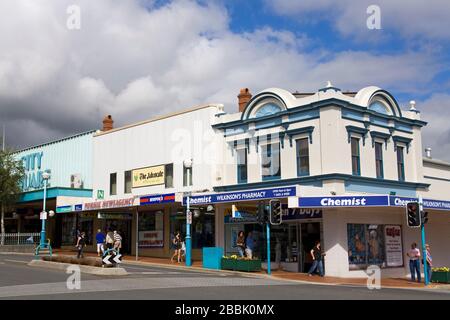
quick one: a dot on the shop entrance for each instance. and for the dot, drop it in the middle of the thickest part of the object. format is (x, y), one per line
(124, 228)
(291, 244)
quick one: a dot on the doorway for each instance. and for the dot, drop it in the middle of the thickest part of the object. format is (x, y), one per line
(124, 229)
(309, 233)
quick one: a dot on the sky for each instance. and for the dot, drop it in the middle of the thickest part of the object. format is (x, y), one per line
(135, 59)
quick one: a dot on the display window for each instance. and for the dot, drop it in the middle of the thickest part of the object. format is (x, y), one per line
(372, 244)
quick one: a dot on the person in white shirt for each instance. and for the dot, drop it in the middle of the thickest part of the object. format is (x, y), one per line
(414, 262)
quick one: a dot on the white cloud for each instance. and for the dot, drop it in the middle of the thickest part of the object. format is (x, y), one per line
(134, 62)
(412, 18)
(436, 134)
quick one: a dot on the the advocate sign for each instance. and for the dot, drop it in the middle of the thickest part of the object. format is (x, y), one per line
(150, 176)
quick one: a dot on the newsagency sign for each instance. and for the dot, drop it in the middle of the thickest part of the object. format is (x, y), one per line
(250, 195)
(150, 176)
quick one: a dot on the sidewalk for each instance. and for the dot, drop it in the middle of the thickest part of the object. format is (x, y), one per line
(402, 283)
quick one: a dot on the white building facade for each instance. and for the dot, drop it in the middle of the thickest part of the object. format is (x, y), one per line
(344, 164)
(354, 158)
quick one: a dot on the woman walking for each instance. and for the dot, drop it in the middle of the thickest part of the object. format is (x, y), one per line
(240, 243)
(177, 245)
(81, 243)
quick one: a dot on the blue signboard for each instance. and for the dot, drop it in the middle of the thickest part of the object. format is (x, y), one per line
(78, 207)
(158, 198)
(343, 201)
(242, 196)
(427, 203)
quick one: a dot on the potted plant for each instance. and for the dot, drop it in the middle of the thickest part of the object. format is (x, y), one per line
(440, 275)
(236, 263)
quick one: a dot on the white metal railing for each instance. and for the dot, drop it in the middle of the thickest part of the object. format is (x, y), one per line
(10, 239)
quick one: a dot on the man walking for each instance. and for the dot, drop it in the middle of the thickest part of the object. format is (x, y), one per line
(100, 239)
(109, 239)
(316, 254)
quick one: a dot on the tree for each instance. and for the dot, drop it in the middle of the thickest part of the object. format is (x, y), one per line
(11, 175)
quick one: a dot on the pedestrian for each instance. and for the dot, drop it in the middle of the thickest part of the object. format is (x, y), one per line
(183, 250)
(429, 262)
(177, 245)
(414, 265)
(81, 243)
(317, 257)
(249, 246)
(100, 239)
(109, 239)
(240, 243)
(117, 241)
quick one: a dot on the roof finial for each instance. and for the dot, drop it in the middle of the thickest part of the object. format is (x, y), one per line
(329, 85)
(412, 105)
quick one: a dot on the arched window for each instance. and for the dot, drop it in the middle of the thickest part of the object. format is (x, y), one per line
(266, 110)
(379, 107)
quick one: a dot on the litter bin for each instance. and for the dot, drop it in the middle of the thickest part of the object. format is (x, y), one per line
(212, 257)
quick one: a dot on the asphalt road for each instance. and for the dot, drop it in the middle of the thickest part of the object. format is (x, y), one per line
(20, 281)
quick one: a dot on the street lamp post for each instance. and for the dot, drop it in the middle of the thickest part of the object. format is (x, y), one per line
(188, 166)
(45, 176)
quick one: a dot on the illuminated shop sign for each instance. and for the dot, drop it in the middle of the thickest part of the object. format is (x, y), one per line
(427, 203)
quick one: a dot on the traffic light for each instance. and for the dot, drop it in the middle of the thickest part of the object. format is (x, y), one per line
(262, 212)
(276, 213)
(413, 215)
(424, 217)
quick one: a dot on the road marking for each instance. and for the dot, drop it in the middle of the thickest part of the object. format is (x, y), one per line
(16, 261)
(154, 272)
(109, 285)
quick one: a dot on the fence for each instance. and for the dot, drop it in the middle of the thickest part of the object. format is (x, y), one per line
(9, 239)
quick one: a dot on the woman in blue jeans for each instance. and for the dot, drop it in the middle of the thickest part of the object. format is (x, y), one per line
(316, 254)
(414, 264)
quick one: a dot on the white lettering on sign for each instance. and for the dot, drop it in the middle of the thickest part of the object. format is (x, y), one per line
(206, 199)
(343, 202)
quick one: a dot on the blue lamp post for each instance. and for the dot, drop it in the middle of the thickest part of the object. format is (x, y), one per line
(188, 166)
(45, 176)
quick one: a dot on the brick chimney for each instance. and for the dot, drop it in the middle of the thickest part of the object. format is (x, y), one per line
(244, 97)
(107, 123)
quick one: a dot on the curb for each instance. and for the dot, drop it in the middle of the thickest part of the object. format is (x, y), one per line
(196, 269)
(84, 269)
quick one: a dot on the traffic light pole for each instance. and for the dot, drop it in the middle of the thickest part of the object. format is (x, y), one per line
(424, 249)
(268, 247)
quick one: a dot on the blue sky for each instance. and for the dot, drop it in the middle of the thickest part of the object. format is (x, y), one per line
(139, 58)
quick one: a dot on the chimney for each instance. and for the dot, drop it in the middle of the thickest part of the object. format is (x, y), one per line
(244, 97)
(107, 123)
(428, 153)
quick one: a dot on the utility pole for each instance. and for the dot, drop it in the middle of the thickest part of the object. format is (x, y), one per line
(424, 249)
(3, 139)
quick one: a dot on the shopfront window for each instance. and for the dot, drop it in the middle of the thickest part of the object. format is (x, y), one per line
(356, 169)
(202, 228)
(371, 244)
(127, 181)
(69, 229)
(168, 179)
(400, 164)
(303, 157)
(242, 165)
(113, 184)
(151, 229)
(379, 160)
(270, 161)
